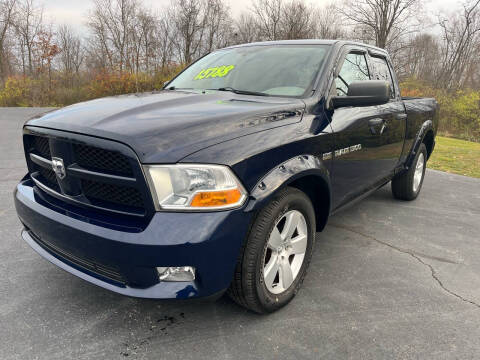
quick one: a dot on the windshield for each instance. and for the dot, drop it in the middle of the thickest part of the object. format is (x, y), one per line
(281, 70)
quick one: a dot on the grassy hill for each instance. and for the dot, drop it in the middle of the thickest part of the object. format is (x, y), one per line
(456, 156)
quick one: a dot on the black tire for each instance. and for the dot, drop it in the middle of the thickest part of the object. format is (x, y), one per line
(403, 185)
(248, 288)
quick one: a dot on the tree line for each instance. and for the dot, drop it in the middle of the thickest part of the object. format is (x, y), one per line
(129, 47)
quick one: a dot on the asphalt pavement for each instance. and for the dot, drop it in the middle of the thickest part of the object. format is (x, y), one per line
(388, 280)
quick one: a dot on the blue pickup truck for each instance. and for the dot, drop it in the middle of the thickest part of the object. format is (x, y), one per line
(220, 181)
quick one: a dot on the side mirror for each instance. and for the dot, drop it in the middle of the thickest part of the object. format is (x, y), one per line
(364, 93)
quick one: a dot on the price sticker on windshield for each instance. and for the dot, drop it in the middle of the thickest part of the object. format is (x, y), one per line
(214, 72)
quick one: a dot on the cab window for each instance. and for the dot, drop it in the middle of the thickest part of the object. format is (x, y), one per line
(354, 68)
(382, 72)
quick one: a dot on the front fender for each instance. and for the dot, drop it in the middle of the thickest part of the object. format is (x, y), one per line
(283, 175)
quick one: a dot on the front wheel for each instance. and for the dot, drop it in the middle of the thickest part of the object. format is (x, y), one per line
(277, 252)
(407, 186)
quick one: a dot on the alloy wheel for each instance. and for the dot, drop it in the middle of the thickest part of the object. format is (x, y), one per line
(285, 251)
(417, 176)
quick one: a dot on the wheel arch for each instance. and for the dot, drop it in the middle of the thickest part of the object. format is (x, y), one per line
(425, 135)
(319, 193)
(306, 173)
(429, 141)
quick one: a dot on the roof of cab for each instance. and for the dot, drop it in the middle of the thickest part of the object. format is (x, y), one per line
(308, 42)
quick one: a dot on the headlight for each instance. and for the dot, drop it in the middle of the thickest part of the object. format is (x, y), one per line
(194, 187)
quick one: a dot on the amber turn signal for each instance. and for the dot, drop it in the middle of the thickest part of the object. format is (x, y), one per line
(216, 198)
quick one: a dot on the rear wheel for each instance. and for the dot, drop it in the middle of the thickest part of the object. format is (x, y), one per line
(407, 186)
(277, 252)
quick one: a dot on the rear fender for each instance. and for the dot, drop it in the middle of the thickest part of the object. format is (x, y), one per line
(426, 126)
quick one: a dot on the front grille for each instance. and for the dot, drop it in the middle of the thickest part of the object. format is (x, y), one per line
(102, 270)
(42, 147)
(108, 179)
(97, 159)
(49, 178)
(112, 193)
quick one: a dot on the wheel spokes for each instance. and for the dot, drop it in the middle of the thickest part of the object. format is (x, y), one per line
(285, 274)
(270, 271)
(291, 222)
(299, 244)
(275, 239)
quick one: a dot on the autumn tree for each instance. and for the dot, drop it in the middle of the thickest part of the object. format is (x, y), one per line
(44, 51)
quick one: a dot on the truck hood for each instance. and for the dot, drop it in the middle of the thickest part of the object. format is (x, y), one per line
(166, 126)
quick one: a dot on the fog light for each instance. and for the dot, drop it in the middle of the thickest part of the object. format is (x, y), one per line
(176, 273)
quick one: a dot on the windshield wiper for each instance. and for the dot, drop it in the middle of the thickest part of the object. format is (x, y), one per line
(242, 92)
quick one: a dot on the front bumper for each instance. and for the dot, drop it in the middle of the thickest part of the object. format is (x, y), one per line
(125, 261)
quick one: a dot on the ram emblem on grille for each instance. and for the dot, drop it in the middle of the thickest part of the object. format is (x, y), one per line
(58, 167)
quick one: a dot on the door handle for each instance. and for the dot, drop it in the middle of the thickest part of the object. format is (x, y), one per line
(376, 123)
(401, 116)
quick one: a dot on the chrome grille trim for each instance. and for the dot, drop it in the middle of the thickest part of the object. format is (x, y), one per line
(72, 200)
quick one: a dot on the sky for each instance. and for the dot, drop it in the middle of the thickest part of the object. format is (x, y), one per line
(74, 11)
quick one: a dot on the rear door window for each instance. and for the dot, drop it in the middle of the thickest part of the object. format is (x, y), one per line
(382, 72)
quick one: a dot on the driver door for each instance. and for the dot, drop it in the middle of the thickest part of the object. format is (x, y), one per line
(358, 133)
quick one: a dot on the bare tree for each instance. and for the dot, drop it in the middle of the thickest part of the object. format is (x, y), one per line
(113, 23)
(216, 25)
(472, 72)
(100, 53)
(188, 17)
(164, 45)
(29, 24)
(384, 20)
(138, 34)
(246, 29)
(461, 39)
(7, 13)
(146, 27)
(71, 52)
(297, 20)
(420, 59)
(328, 24)
(268, 15)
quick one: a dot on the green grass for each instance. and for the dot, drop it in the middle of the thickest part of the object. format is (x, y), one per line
(456, 157)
